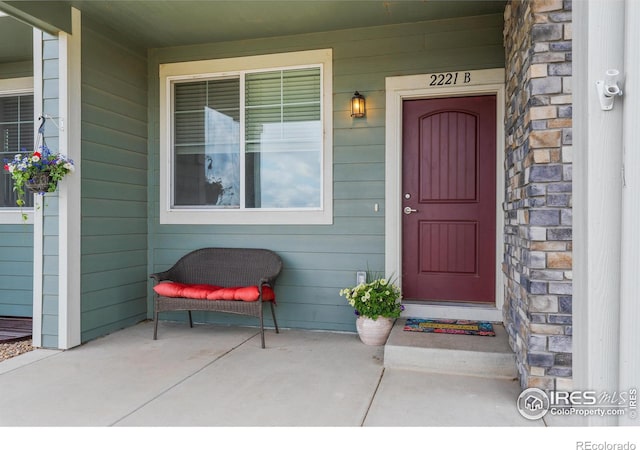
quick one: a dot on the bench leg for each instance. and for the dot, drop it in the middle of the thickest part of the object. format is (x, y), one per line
(190, 320)
(273, 314)
(155, 325)
(262, 326)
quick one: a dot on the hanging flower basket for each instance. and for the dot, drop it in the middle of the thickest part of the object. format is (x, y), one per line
(40, 183)
(37, 172)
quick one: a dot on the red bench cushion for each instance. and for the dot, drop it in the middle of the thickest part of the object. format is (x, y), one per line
(210, 292)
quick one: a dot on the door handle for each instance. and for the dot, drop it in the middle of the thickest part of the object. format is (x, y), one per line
(408, 210)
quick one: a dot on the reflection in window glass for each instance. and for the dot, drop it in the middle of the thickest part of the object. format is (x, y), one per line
(222, 159)
(207, 143)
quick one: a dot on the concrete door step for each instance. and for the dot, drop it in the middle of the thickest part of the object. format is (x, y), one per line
(483, 356)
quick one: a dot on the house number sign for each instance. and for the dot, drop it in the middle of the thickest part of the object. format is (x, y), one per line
(449, 78)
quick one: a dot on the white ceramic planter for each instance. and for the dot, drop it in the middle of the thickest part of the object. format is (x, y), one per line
(374, 331)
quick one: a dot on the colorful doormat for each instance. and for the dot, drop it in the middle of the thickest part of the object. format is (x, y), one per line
(450, 326)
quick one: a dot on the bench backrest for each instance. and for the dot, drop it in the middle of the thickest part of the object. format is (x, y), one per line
(226, 267)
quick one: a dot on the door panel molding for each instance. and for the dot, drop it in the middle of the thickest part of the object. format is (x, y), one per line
(398, 89)
(456, 231)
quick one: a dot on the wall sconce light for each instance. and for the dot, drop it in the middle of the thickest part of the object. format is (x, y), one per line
(358, 108)
(608, 89)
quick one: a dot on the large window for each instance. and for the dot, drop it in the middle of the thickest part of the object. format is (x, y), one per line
(247, 140)
(16, 135)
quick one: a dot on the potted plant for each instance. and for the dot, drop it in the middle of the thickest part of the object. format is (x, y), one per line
(38, 172)
(377, 305)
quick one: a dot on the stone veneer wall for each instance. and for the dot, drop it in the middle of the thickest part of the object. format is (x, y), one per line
(538, 247)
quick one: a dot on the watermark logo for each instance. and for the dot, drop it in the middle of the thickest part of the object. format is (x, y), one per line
(590, 445)
(533, 403)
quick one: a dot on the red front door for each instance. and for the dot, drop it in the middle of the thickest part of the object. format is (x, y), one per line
(449, 199)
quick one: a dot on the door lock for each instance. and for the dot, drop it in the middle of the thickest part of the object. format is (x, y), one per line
(408, 210)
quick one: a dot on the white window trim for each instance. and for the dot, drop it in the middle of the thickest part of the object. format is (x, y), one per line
(8, 87)
(231, 66)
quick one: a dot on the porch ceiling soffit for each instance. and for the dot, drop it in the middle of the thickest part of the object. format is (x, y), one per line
(49, 16)
(160, 23)
(15, 41)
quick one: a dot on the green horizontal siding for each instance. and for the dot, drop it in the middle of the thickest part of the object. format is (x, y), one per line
(321, 260)
(16, 270)
(50, 208)
(114, 183)
(50, 270)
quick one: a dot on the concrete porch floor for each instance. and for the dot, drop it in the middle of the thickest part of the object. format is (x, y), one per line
(219, 376)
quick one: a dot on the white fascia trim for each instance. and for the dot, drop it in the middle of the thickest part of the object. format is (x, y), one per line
(8, 87)
(231, 66)
(69, 273)
(487, 81)
(36, 216)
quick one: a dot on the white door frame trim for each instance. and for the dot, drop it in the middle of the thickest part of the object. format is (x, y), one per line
(488, 81)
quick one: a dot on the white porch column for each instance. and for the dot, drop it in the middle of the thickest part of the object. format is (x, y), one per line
(598, 29)
(69, 269)
(630, 283)
(37, 210)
